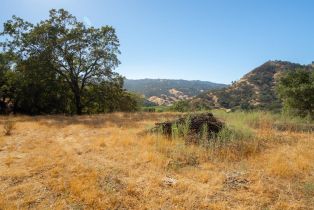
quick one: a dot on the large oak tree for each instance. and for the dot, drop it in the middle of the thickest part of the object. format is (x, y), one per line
(78, 54)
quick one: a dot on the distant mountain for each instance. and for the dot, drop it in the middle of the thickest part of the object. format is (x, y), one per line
(166, 91)
(255, 89)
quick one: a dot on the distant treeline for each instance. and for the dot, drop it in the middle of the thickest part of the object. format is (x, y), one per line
(60, 66)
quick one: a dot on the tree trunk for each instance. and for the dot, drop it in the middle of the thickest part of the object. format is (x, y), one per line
(78, 104)
(77, 98)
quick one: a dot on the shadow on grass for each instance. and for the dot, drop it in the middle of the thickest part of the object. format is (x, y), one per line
(123, 120)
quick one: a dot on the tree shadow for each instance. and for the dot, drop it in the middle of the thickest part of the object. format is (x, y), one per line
(119, 119)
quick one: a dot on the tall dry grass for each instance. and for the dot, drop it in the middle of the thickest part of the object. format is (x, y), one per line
(106, 162)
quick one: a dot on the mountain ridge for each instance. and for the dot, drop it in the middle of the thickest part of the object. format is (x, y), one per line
(167, 91)
(255, 89)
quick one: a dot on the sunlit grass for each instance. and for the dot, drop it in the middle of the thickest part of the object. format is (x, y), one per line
(107, 161)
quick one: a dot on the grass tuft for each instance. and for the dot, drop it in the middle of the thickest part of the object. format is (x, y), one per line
(8, 127)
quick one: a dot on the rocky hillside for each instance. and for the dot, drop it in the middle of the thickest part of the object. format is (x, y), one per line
(167, 91)
(168, 99)
(255, 89)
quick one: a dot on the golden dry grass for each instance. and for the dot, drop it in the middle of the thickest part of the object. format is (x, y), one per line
(105, 162)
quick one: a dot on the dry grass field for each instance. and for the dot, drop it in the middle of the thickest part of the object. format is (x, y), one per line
(107, 162)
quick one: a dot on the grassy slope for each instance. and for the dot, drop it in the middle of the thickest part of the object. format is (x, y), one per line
(103, 161)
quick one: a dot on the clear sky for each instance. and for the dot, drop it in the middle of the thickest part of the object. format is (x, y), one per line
(213, 40)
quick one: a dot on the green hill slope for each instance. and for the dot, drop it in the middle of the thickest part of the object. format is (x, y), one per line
(255, 89)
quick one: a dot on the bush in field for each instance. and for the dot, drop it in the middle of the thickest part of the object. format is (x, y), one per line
(192, 128)
(148, 109)
(181, 106)
(296, 89)
(8, 127)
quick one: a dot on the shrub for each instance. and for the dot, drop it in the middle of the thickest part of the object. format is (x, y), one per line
(149, 109)
(296, 88)
(8, 127)
(190, 127)
(181, 106)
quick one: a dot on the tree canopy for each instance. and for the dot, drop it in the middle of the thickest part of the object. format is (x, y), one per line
(296, 89)
(58, 64)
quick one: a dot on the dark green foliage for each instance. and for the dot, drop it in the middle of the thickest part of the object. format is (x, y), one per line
(61, 66)
(199, 105)
(7, 82)
(148, 109)
(39, 89)
(156, 109)
(190, 106)
(157, 87)
(296, 89)
(181, 106)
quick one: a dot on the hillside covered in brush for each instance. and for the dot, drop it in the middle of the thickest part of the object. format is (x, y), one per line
(167, 91)
(256, 89)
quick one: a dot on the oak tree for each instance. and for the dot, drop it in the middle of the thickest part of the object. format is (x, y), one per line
(78, 54)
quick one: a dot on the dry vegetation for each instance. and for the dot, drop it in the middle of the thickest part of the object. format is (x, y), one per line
(106, 162)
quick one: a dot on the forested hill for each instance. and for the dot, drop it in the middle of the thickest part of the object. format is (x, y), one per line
(167, 91)
(255, 89)
(156, 87)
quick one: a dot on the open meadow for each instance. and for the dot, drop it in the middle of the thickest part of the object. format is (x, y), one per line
(108, 162)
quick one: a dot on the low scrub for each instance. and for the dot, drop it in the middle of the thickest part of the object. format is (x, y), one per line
(225, 141)
(8, 127)
(248, 133)
(191, 127)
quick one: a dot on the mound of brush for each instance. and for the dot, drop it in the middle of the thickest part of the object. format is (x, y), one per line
(192, 126)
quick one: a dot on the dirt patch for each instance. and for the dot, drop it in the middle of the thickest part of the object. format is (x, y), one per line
(236, 181)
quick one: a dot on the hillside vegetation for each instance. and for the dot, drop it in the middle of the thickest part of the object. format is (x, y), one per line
(256, 89)
(167, 91)
(108, 162)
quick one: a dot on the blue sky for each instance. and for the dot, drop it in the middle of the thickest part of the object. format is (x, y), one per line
(209, 40)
